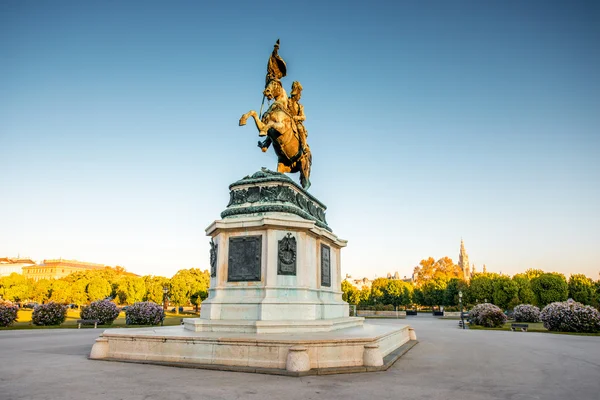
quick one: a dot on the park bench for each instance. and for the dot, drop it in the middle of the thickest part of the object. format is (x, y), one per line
(87, 322)
(523, 327)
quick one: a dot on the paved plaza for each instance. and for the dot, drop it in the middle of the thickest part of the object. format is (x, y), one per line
(448, 363)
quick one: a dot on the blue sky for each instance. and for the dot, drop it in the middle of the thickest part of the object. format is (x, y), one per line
(428, 121)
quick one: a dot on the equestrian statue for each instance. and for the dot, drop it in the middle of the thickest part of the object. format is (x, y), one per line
(283, 122)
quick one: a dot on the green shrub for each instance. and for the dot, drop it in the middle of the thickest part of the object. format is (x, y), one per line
(104, 311)
(8, 313)
(144, 313)
(526, 313)
(488, 315)
(570, 316)
(49, 314)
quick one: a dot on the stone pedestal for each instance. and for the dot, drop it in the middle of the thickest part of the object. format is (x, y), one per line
(275, 301)
(276, 265)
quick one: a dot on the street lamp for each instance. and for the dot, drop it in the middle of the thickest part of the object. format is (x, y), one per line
(462, 317)
(165, 291)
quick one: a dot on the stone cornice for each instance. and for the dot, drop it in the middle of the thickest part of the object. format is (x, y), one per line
(267, 191)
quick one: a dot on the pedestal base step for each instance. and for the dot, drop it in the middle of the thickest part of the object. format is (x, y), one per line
(360, 349)
(260, 327)
(388, 361)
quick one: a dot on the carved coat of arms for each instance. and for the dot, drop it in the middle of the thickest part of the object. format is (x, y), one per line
(286, 260)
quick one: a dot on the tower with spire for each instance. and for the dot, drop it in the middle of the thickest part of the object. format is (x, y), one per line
(463, 261)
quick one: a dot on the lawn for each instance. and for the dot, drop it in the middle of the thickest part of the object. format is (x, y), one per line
(24, 321)
(533, 327)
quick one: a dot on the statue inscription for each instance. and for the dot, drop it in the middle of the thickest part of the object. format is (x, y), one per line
(244, 259)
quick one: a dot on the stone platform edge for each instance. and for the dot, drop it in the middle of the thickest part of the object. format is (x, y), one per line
(388, 361)
(266, 326)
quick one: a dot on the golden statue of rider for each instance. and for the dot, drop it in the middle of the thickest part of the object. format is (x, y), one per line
(297, 111)
(276, 69)
(283, 122)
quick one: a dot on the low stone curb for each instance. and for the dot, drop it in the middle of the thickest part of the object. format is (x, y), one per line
(388, 361)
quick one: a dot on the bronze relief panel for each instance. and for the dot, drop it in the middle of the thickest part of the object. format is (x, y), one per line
(244, 259)
(325, 265)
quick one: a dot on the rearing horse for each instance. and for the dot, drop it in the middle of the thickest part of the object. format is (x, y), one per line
(278, 124)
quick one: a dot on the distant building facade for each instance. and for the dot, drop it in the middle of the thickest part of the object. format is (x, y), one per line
(396, 276)
(14, 265)
(362, 282)
(56, 269)
(359, 283)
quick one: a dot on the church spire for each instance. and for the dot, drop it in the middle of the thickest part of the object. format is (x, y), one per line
(463, 261)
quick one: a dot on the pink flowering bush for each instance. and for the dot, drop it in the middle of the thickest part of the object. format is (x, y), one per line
(144, 313)
(488, 315)
(570, 316)
(104, 311)
(49, 314)
(526, 313)
(8, 313)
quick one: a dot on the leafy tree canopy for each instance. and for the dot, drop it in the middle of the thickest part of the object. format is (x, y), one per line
(443, 269)
(549, 287)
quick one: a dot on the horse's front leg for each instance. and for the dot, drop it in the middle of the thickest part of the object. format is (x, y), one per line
(262, 128)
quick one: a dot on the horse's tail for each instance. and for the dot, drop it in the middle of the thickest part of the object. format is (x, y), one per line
(305, 165)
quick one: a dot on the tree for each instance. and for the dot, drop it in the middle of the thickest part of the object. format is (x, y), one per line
(60, 291)
(188, 282)
(418, 297)
(199, 287)
(424, 272)
(525, 293)
(41, 291)
(378, 290)
(506, 292)
(198, 297)
(481, 288)
(179, 293)
(78, 292)
(407, 295)
(98, 289)
(581, 289)
(549, 288)
(15, 287)
(533, 273)
(596, 299)
(433, 292)
(154, 288)
(131, 289)
(364, 295)
(454, 286)
(397, 293)
(429, 269)
(348, 292)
